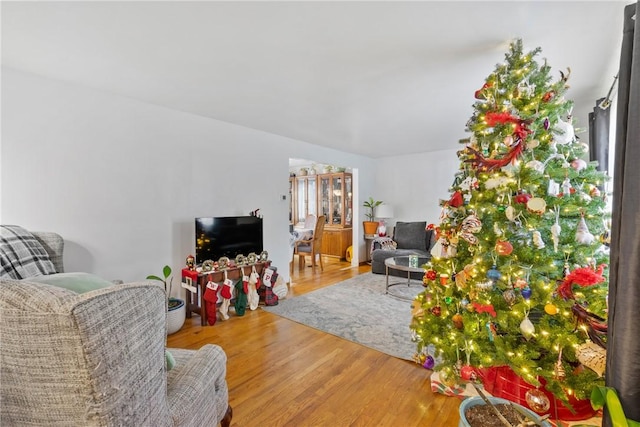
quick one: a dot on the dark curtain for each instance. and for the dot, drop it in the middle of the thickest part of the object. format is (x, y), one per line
(599, 134)
(623, 348)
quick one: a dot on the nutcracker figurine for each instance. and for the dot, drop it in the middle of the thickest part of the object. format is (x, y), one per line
(191, 262)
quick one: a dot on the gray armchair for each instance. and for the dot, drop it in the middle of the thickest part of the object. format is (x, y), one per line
(98, 359)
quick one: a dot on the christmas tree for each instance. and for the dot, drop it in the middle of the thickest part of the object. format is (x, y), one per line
(518, 277)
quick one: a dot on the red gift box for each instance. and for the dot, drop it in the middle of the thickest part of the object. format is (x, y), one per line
(502, 382)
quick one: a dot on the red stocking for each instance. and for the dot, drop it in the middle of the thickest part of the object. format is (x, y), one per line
(211, 298)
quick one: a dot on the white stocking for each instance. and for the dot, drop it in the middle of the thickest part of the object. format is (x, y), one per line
(224, 308)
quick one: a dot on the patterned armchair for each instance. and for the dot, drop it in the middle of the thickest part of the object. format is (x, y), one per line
(98, 359)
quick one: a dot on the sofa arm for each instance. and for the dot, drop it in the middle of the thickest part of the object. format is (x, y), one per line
(197, 387)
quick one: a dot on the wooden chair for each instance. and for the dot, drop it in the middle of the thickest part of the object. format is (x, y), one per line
(311, 247)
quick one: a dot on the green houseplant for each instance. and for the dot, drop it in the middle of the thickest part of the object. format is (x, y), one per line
(608, 397)
(175, 306)
(370, 226)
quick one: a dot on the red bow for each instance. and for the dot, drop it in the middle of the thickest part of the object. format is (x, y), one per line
(484, 308)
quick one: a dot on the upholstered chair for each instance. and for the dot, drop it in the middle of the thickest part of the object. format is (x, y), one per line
(71, 357)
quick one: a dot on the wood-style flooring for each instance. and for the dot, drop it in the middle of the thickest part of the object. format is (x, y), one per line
(281, 373)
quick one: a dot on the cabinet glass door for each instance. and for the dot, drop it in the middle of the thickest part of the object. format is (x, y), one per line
(311, 197)
(302, 200)
(292, 202)
(336, 202)
(323, 197)
(348, 200)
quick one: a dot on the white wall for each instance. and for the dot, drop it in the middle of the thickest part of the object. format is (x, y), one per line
(414, 184)
(122, 180)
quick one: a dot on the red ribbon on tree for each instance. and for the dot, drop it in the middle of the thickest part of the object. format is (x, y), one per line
(521, 130)
(484, 308)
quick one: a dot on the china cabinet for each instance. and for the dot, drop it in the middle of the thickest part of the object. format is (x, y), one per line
(335, 202)
(328, 194)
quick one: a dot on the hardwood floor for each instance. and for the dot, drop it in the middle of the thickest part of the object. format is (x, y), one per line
(281, 373)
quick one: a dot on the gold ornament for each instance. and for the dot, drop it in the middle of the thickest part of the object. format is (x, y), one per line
(537, 400)
(447, 377)
(550, 309)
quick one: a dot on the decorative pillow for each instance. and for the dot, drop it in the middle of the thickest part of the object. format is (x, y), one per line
(411, 235)
(169, 360)
(22, 255)
(75, 282)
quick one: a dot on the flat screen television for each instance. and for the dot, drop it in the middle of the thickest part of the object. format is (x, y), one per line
(227, 236)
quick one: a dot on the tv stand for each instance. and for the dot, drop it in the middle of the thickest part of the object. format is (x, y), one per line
(194, 301)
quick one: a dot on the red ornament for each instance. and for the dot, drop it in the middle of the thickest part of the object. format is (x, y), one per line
(548, 96)
(504, 248)
(479, 94)
(522, 197)
(456, 200)
(436, 311)
(430, 274)
(468, 373)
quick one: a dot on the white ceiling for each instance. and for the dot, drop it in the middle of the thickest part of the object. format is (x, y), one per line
(374, 78)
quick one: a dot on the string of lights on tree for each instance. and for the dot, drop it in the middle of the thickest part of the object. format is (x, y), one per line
(518, 276)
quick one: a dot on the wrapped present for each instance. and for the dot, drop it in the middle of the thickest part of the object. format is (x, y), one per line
(459, 390)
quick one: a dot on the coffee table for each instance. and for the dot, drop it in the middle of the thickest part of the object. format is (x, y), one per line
(402, 263)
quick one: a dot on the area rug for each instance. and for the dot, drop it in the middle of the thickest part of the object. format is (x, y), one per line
(358, 310)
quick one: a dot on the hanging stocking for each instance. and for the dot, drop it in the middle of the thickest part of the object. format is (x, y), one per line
(224, 308)
(240, 303)
(225, 293)
(268, 277)
(280, 288)
(252, 294)
(270, 298)
(211, 299)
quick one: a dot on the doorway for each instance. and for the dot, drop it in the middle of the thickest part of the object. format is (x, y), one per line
(321, 189)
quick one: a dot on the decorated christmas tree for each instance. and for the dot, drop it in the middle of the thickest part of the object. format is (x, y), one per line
(519, 272)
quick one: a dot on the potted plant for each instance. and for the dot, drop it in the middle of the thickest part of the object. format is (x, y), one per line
(508, 412)
(608, 397)
(175, 306)
(370, 226)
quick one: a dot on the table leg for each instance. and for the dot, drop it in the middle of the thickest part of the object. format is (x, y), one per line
(386, 270)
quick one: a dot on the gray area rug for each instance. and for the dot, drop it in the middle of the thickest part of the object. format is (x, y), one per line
(358, 310)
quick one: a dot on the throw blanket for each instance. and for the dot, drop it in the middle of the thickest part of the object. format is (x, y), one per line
(386, 243)
(22, 255)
